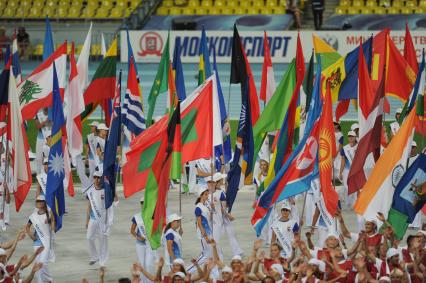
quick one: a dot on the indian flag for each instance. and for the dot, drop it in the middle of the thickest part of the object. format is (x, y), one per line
(377, 193)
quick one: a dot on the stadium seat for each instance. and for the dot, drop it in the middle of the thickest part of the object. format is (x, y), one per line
(244, 3)
(88, 12)
(123, 4)
(38, 4)
(162, 11)
(127, 12)
(134, 4)
(379, 10)
(239, 11)
(226, 11)
(358, 3)
(406, 10)
(74, 12)
(201, 11)
(92, 3)
(392, 10)
(168, 3)
(188, 11)
(397, 3)
(367, 11)
(353, 11)
(25, 5)
(419, 10)
(371, 3)
(12, 4)
(206, 3)
(38, 50)
(78, 49)
(51, 4)
(62, 12)
(175, 11)
(34, 13)
(271, 3)
(20, 13)
(340, 10)
(107, 4)
(279, 10)
(116, 13)
(422, 3)
(232, 3)
(95, 50)
(252, 11)
(214, 11)
(410, 4)
(48, 11)
(193, 3)
(267, 11)
(345, 3)
(385, 3)
(258, 4)
(102, 12)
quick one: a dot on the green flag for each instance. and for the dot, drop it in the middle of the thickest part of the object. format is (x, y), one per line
(160, 83)
(273, 115)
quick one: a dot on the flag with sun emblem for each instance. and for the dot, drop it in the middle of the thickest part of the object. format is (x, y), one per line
(55, 197)
(327, 149)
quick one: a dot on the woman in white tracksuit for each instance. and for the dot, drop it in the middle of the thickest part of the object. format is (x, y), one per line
(203, 221)
(146, 256)
(172, 239)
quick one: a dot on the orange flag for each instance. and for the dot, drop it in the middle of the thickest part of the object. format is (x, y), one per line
(409, 51)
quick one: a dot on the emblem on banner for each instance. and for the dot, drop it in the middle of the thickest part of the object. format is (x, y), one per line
(150, 43)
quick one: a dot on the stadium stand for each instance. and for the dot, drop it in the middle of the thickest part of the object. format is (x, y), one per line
(392, 7)
(67, 9)
(222, 7)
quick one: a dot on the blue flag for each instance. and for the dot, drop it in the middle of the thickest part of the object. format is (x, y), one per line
(55, 197)
(204, 54)
(244, 151)
(48, 47)
(113, 141)
(178, 72)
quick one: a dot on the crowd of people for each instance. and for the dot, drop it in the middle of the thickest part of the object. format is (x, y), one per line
(283, 252)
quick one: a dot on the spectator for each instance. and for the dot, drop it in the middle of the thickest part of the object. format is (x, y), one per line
(23, 41)
(317, 10)
(4, 39)
(291, 8)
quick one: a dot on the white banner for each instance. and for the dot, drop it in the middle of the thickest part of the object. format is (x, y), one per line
(148, 45)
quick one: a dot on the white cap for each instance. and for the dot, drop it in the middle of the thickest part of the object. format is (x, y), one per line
(286, 205)
(372, 220)
(142, 198)
(41, 198)
(218, 176)
(413, 143)
(94, 124)
(317, 262)
(180, 274)
(202, 189)
(398, 111)
(2, 252)
(48, 133)
(179, 261)
(173, 217)
(351, 133)
(354, 126)
(236, 258)
(385, 279)
(391, 252)
(262, 156)
(278, 268)
(208, 178)
(98, 173)
(45, 160)
(421, 233)
(227, 269)
(102, 126)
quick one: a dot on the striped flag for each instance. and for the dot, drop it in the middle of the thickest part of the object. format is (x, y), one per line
(267, 87)
(377, 193)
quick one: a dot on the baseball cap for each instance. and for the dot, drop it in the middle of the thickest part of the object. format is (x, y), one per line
(227, 269)
(354, 126)
(351, 134)
(173, 217)
(142, 198)
(45, 160)
(413, 143)
(98, 173)
(385, 279)
(102, 126)
(391, 252)
(2, 252)
(180, 274)
(218, 176)
(286, 206)
(201, 190)
(398, 111)
(208, 179)
(317, 262)
(236, 258)
(48, 133)
(94, 124)
(179, 261)
(41, 198)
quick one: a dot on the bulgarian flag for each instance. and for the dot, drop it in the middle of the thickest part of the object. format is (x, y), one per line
(267, 87)
(35, 92)
(200, 131)
(377, 193)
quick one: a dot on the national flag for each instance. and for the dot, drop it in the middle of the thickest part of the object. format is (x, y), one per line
(176, 167)
(300, 76)
(241, 74)
(267, 86)
(204, 70)
(55, 197)
(132, 113)
(327, 53)
(83, 62)
(4, 100)
(327, 149)
(407, 199)
(308, 82)
(377, 193)
(225, 149)
(103, 82)
(16, 67)
(296, 174)
(274, 112)
(18, 146)
(154, 212)
(36, 89)
(111, 145)
(74, 107)
(103, 45)
(197, 127)
(161, 81)
(370, 116)
(48, 46)
(178, 72)
(400, 77)
(409, 50)
(418, 91)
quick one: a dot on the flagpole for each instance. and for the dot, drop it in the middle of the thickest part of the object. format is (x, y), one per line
(303, 211)
(180, 195)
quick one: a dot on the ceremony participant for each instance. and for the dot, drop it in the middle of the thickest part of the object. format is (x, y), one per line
(4, 191)
(44, 225)
(172, 239)
(355, 128)
(417, 222)
(90, 149)
(204, 169)
(203, 220)
(394, 126)
(100, 145)
(97, 221)
(146, 255)
(46, 145)
(347, 155)
(43, 125)
(263, 172)
(339, 146)
(283, 231)
(42, 178)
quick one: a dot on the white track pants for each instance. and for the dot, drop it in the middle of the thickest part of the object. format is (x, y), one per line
(147, 258)
(39, 153)
(94, 233)
(43, 275)
(229, 230)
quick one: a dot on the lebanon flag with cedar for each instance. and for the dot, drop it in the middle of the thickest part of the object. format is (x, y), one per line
(18, 147)
(197, 116)
(35, 92)
(370, 114)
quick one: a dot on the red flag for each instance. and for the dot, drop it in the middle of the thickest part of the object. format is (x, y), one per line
(327, 149)
(370, 123)
(267, 86)
(410, 51)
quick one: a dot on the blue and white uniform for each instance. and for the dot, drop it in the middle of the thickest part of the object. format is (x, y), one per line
(172, 235)
(203, 211)
(42, 134)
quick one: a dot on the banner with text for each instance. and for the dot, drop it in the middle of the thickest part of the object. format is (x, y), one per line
(148, 45)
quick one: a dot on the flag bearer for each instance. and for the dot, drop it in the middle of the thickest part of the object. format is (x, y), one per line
(347, 155)
(90, 148)
(394, 126)
(145, 254)
(97, 222)
(100, 144)
(4, 191)
(42, 178)
(42, 236)
(43, 125)
(417, 222)
(203, 220)
(283, 231)
(172, 239)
